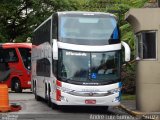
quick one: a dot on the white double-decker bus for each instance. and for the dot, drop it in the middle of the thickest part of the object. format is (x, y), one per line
(76, 59)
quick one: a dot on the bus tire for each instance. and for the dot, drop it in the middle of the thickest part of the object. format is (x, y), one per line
(17, 86)
(46, 96)
(54, 106)
(12, 85)
(104, 109)
(49, 97)
(33, 87)
(35, 93)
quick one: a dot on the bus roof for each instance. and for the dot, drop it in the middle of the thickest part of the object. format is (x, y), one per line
(84, 13)
(12, 45)
(76, 13)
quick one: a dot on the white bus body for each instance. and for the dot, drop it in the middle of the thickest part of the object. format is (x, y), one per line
(76, 59)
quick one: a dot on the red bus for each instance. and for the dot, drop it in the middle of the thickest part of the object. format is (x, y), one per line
(18, 57)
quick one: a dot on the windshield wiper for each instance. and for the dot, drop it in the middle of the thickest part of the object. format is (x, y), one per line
(66, 79)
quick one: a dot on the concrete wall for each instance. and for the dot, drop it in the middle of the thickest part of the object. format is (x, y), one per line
(148, 71)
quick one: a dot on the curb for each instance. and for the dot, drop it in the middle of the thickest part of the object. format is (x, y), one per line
(141, 115)
(133, 113)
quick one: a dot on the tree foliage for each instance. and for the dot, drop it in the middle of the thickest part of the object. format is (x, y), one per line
(119, 8)
(20, 17)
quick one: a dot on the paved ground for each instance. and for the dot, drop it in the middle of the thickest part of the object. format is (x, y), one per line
(38, 110)
(131, 104)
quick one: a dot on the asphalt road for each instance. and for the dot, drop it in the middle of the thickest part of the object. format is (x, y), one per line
(38, 110)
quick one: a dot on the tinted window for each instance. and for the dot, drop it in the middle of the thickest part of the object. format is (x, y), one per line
(149, 45)
(43, 67)
(42, 34)
(55, 27)
(89, 67)
(88, 29)
(146, 45)
(26, 57)
(74, 65)
(105, 66)
(8, 55)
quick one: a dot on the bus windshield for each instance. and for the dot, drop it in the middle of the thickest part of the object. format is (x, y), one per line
(26, 57)
(89, 67)
(88, 30)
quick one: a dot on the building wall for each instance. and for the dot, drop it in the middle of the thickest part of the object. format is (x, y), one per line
(148, 71)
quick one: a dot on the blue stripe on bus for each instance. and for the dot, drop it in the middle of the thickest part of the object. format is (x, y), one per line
(115, 34)
(120, 86)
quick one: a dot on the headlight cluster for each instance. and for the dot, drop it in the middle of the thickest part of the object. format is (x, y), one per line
(113, 91)
(63, 89)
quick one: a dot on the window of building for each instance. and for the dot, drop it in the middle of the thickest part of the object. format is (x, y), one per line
(146, 45)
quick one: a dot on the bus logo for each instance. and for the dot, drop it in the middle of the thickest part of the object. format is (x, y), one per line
(91, 94)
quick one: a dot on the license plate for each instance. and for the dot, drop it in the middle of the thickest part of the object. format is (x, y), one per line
(90, 101)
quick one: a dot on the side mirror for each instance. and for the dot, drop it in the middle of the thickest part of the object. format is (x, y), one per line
(55, 49)
(127, 51)
(29, 67)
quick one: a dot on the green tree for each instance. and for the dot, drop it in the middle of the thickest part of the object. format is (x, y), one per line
(20, 17)
(13, 18)
(119, 8)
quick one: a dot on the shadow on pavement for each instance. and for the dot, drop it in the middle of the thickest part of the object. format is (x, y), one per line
(85, 109)
(24, 92)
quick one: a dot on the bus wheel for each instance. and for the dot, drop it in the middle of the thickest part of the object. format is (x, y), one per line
(33, 88)
(35, 94)
(17, 86)
(103, 109)
(54, 106)
(49, 97)
(46, 96)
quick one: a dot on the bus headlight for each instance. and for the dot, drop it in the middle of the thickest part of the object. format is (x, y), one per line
(29, 82)
(64, 99)
(117, 99)
(66, 90)
(113, 91)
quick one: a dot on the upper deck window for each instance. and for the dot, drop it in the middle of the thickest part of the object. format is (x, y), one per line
(88, 29)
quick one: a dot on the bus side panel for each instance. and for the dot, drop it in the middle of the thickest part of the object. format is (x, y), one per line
(18, 71)
(93, 94)
(26, 77)
(43, 68)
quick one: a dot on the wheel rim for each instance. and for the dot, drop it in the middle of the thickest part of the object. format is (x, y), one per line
(16, 85)
(34, 89)
(49, 98)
